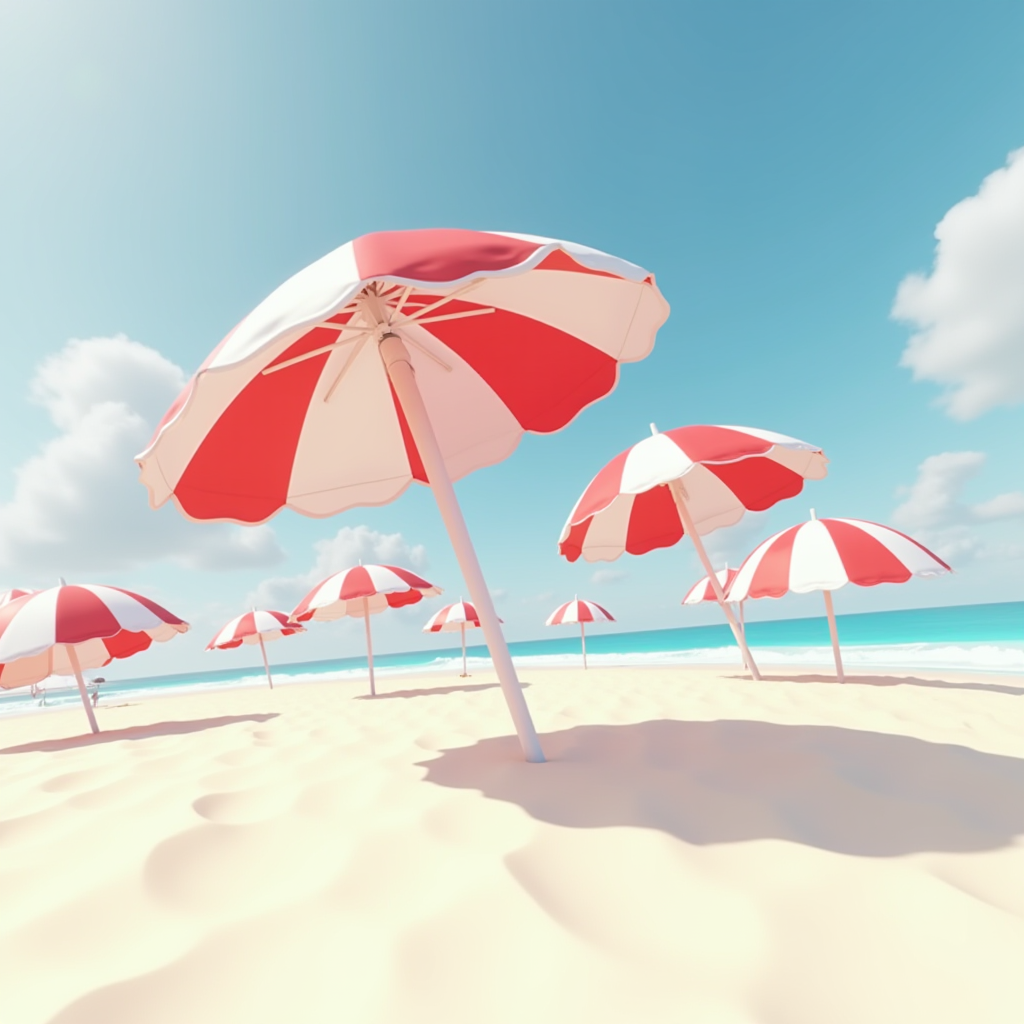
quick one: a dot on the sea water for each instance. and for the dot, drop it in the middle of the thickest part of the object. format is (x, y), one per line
(973, 638)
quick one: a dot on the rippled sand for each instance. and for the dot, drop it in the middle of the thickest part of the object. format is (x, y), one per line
(699, 848)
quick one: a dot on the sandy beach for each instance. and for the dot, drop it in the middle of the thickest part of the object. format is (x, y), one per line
(700, 847)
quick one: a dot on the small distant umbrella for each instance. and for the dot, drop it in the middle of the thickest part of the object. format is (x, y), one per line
(582, 612)
(255, 627)
(460, 616)
(826, 554)
(66, 629)
(7, 596)
(362, 591)
(690, 480)
(703, 591)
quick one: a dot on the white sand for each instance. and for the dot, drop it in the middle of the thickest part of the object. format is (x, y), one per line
(700, 848)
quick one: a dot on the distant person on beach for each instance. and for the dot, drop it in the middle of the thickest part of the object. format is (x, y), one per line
(95, 693)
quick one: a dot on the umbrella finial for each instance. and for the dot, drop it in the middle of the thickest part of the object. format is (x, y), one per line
(61, 582)
(654, 428)
(814, 515)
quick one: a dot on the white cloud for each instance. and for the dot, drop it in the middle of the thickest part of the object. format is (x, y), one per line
(77, 504)
(731, 545)
(934, 513)
(602, 577)
(349, 546)
(970, 310)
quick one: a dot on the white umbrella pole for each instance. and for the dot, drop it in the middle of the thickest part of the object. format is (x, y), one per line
(583, 642)
(77, 668)
(403, 379)
(369, 645)
(676, 487)
(743, 625)
(266, 664)
(834, 633)
(462, 630)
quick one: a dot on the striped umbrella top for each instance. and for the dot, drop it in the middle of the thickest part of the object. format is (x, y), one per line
(703, 591)
(725, 472)
(507, 333)
(825, 554)
(100, 622)
(578, 611)
(453, 617)
(353, 591)
(7, 596)
(250, 627)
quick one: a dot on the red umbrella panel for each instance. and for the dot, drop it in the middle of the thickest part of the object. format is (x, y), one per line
(255, 627)
(582, 612)
(691, 480)
(459, 616)
(66, 629)
(826, 554)
(362, 591)
(402, 357)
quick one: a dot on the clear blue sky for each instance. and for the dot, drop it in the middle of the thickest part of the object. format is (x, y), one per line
(780, 167)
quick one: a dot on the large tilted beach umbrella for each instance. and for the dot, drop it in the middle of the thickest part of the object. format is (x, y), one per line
(402, 357)
(582, 612)
(360, 592)
(61, 631)
(826, 554)
(690, 480)
(455, 617)
(256, 627)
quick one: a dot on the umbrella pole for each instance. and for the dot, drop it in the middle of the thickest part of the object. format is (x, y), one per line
(743, 625)
(403, 380)
(583, 642)
(90, 714)
(834, 633)
(266, 664)
(369, 645)
(676, 487)
(462, 630)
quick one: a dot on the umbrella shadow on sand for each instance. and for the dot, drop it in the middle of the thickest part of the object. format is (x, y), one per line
(939, 684)
(432, 691)
(847, 791)
(135, 732)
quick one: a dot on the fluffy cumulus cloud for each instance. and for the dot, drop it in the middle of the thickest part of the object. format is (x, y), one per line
(603, 577)
(349, 546)
(935, 513)
(77, 504)
(969, 311)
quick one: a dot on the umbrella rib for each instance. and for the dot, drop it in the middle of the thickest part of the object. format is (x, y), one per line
(414, 319)
(314, 352)
(426, 351)
(353, 356)
(447, 298)
(402, 299)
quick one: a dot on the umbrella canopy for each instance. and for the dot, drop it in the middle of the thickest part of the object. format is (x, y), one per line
(702, 590)
(66, 629)
(362, 591)
(403, 356)
(826, 554)
(455, 617)
(582, 612)
(7, 596)
(256, 627)
(689, 480)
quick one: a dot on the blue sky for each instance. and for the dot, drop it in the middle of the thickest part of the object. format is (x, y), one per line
(781, 168)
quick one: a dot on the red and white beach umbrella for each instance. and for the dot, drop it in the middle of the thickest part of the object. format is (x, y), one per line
(459, 616)
(362, 591)
(7, 596)
(582, 612)
(66, 629)
(402, 357)
(689, 480)
(826, 554)
(703, 590)
(255, 627)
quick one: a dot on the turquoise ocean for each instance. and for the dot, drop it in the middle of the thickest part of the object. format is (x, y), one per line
(971, 638)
